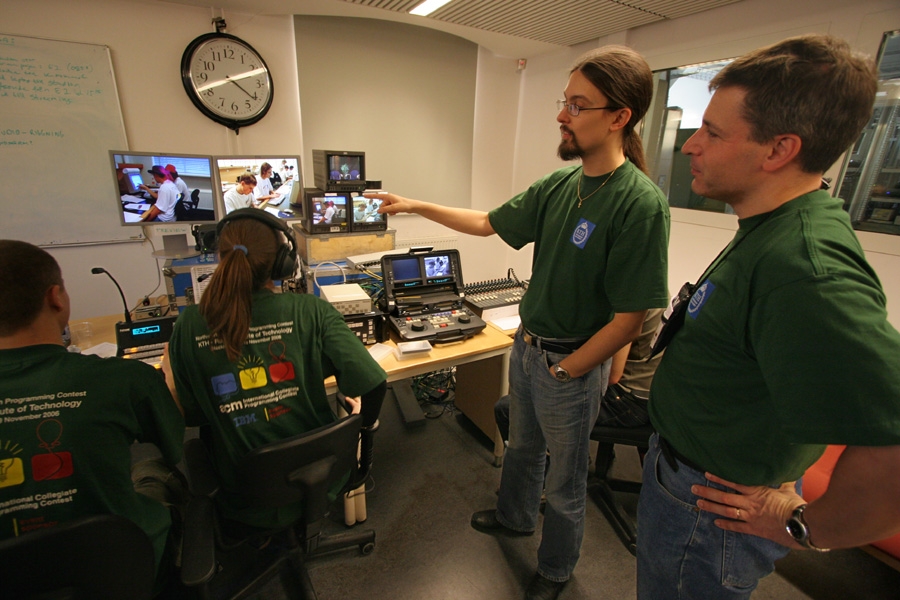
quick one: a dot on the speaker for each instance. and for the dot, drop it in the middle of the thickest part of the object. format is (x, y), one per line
(285, 256)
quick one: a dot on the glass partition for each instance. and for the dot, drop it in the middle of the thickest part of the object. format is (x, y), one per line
(870, 178)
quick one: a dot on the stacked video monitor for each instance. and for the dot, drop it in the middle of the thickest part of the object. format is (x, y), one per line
(337, 204)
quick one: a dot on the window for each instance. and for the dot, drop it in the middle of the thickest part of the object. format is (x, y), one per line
(870, 178)
(676, 113)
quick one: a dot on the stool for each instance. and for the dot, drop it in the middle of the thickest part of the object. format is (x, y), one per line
(601, 487)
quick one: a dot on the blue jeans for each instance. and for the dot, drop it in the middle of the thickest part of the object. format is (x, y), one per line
(681, 554)
(548, 415)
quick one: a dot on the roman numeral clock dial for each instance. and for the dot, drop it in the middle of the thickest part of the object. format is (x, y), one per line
(226, 79)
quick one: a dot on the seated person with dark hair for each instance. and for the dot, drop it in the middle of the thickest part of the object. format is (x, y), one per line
(166, 197)
(69, 420)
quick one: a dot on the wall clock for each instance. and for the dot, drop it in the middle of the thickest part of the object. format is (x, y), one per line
(226, 79)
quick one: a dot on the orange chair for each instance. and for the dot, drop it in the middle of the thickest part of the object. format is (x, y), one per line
(815, 482)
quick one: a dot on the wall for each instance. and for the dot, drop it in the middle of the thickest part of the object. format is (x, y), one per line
(404, 94)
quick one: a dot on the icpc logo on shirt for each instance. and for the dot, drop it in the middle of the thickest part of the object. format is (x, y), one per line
(582, 232)
(699, 298)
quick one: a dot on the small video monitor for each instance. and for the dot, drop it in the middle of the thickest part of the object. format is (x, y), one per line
(339, 170)
(407, 272)
(365, 215)
(325, 212)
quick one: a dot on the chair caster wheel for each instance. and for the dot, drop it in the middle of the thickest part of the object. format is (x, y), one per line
(367, 548)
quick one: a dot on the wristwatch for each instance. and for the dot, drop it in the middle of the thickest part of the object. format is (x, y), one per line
(561, 374)
(798, 529)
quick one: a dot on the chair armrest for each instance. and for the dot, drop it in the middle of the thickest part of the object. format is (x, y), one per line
(198, 546)
(366, 454)
(341, 401)
(200, 473)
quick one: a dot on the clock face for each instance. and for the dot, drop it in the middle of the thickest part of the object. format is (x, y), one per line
(226, 79)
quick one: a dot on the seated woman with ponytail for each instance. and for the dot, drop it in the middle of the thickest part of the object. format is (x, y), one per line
(251, 363)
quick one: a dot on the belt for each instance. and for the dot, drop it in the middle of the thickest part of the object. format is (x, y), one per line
(673, 457)
(557, 345)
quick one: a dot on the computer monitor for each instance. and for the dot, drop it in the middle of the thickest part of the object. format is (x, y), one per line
(136, 189)
(325, 212)
(364, 215)
(285, 181)
(339, 170)
(133, 180)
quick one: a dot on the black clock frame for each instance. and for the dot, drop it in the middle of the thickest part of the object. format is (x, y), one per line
(188, 83)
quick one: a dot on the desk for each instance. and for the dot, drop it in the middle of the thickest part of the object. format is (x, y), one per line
(482, 365)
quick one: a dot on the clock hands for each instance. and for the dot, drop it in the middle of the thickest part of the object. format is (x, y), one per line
(239, 87)
(213, 84)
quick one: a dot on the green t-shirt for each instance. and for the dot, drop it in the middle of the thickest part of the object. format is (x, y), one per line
(274, 391)
(67, 424)
(785, 347)
(609, 256)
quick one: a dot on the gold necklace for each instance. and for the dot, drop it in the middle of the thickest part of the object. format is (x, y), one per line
(580, 199)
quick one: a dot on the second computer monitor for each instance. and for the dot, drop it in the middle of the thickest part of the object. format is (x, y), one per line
(278, 189)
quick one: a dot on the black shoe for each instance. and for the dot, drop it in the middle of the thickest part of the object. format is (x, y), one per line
(542, 588)
(486, 521)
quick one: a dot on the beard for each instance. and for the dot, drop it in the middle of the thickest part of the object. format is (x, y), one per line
(569, 149)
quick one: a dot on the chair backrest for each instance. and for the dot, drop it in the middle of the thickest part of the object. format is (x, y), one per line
(195, 198)
(302, 468)
(103, 557)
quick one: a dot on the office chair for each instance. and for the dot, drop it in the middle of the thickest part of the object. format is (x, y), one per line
(301, 469)
(602, 486)
(102, 557)
(184, 208)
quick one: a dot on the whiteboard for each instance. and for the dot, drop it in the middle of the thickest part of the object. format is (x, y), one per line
(59, 118)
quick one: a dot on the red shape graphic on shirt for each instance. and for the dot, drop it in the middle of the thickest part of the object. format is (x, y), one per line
(280, 371)
(57, 465)
(53, 465)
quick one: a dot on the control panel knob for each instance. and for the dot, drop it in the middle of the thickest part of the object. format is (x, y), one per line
(417, 326)
(464, 318)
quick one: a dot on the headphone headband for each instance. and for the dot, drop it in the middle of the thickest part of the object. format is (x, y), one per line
(285, 257)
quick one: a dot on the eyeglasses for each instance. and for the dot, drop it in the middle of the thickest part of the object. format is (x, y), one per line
(574, 109)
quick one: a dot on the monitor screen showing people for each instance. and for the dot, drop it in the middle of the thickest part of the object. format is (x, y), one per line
(275, 186)
(330, 209)
(365, 210)
(153, 187)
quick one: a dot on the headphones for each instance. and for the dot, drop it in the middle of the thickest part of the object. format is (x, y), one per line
(286, 256)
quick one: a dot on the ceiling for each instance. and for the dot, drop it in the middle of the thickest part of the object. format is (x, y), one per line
(514, 28)
(560, 22)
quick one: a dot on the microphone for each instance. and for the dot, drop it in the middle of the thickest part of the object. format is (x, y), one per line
(97, 271)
